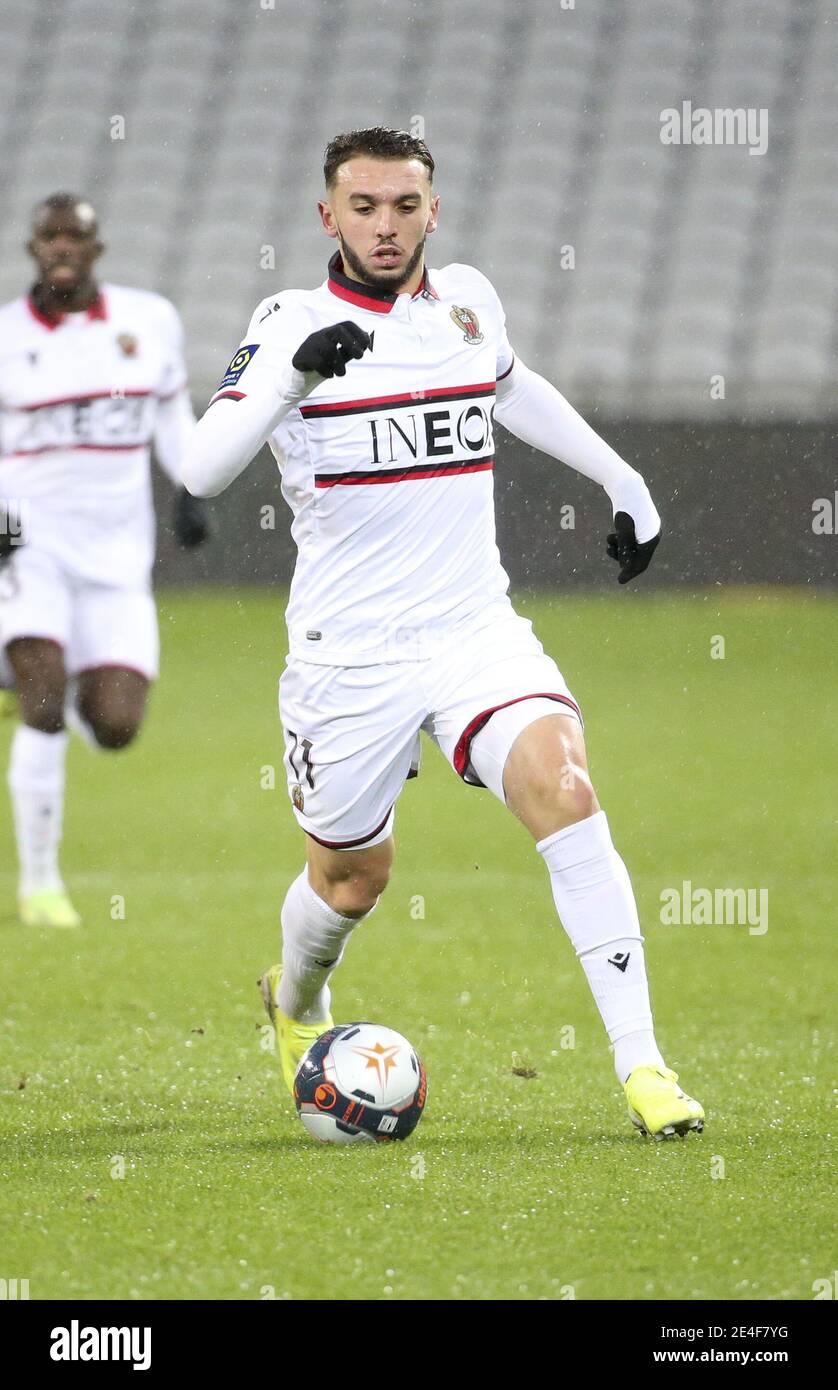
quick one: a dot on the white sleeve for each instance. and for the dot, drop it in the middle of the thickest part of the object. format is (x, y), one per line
(173, 429)
(259, 388)
(174, 375)
(533, 410)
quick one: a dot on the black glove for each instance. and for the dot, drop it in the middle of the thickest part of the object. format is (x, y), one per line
(623, 547)
(329, 349)
(191, 521)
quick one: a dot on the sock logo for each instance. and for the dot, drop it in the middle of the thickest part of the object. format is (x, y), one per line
(621, 960)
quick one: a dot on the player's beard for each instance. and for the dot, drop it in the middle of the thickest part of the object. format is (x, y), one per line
(381, 282)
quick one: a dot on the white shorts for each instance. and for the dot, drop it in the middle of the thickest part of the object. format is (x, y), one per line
(96, 624)
(352, 733)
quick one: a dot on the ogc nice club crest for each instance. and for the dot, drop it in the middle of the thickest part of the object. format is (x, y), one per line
(469, 322)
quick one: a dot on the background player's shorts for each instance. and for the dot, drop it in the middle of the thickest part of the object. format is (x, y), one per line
(96, 624)
(352, 733)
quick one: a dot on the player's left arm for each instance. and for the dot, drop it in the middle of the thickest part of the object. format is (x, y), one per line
(532, 409)
(173, 429)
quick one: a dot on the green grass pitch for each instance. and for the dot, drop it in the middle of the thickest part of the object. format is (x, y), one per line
(147, 1149)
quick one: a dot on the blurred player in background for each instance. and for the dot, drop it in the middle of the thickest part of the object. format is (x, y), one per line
(399, 617)
(90, 377)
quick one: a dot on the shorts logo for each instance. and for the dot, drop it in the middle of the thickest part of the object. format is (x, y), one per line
(297, 796)
(238, 364)
(469, 322)
(128, 344)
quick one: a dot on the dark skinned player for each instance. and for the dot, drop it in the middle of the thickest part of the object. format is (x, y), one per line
(93, 378)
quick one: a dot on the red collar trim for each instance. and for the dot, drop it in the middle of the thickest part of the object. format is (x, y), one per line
(97, 310)
(366, 296)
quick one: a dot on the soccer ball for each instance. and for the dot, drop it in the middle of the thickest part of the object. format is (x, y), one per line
(360, 1082)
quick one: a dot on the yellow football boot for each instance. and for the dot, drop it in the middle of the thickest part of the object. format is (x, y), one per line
(293, 1039)
(48, 908)
(658, 1106)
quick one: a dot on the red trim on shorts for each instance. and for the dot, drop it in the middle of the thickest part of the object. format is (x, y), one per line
(349, 844)
(462, 751)
(114, 666)
(33, 637)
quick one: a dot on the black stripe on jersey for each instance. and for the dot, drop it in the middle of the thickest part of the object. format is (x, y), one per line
(317, 412)
(450, 469)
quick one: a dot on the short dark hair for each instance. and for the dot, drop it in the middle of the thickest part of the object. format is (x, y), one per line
(379, 142)
(61, 202)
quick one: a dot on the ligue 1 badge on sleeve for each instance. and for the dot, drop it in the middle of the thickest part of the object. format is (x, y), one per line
(240, 360)
(128, 344)
(469, 322)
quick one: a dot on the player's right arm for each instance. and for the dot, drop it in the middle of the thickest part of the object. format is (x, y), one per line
(275, 368)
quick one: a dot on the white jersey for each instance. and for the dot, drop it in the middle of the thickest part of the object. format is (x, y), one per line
(387, 470)
(82, 398)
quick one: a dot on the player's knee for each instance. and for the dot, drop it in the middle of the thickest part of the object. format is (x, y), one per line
(42, 707)
(576, 796)
(356, 896)
(113, 731)
(46, 717)
(564, 788)
(351, 892)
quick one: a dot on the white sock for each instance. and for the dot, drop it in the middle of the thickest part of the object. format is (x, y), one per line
(313, 941)
(594, 899)
(36, 783)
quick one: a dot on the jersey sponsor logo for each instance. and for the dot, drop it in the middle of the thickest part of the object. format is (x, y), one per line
(469, 322)
(439, 433)
(118, 420)
(240, 361)
(432, 433)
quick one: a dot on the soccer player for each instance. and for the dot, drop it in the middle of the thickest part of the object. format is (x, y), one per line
(90, 377)
(376, 392)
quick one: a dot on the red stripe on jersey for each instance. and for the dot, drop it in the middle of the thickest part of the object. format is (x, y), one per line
(402, 475)
(79, 400)
(334, 408)
(228, 396)
(64, 448)
(462, 751)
